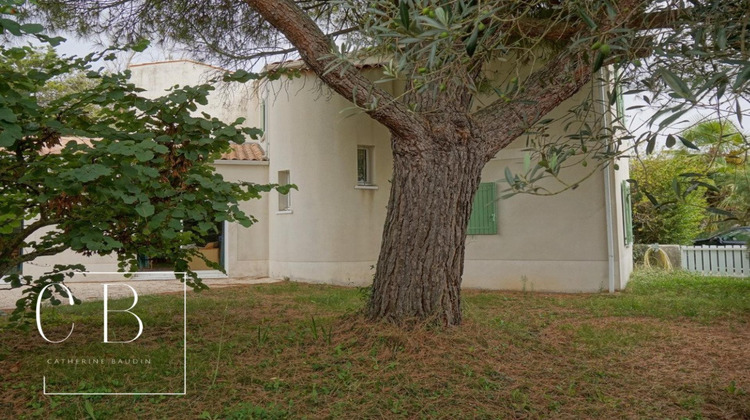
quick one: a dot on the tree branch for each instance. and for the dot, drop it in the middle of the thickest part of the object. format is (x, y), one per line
(532, 28)
(544, 90)
(317, 51)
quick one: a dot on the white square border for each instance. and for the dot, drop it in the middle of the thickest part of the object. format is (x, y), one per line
(184, 347)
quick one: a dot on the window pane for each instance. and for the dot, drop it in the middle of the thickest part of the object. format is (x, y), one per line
(284, 199)
(362, 166)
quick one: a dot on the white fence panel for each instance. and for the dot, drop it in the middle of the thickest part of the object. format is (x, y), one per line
(727, 260)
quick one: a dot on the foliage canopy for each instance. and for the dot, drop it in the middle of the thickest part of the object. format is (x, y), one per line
(100, 169)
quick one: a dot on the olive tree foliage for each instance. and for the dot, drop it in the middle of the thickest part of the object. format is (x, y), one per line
(136, 180)
(475, 76)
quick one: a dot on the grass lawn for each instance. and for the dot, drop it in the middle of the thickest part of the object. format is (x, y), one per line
(671, 346)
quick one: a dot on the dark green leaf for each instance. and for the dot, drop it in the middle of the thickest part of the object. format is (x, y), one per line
(670, 141)
(471, 43)
(586, 18)
(720, 212)
(144, 209)
(651, 198)
(403, 6)
(140, 46)
(688, 143)
(676, 84)
(32, 28)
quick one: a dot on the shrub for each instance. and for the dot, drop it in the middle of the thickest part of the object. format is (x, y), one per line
(664, 210)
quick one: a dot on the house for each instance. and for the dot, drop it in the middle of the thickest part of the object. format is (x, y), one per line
(329, 230)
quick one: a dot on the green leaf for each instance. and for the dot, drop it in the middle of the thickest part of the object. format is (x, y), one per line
(32, 28)
(720, 212)
(650, 144)
(441, 16)
(6, 114)
(471, 43)
(742, 78)
(598, 61)
(90, 172)
(141, 45)
(670, 141)
(688, 143)
(509, 176)
(11, 26)
(676, 84)
(240, 76)
(651, 198)
(586, 18)
(144, 155)
(672, 118)
(403, 7)
(144, 209)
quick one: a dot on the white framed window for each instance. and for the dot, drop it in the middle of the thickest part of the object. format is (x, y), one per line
(285, 200)
(365, 166)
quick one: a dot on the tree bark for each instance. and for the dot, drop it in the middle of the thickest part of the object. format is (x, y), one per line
(418, 275)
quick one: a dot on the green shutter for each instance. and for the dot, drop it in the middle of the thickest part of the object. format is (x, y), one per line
(627, 212)
(483, 220)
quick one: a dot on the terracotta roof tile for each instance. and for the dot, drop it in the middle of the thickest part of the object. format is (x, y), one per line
(245, 151)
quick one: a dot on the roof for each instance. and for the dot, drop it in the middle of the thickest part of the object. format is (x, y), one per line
(155, 63)
(361, 64)
(245, 151)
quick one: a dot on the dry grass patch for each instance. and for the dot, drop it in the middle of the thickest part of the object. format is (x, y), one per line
(295, 350)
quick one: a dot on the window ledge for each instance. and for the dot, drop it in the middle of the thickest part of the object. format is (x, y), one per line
(365, 187)
(284, 212)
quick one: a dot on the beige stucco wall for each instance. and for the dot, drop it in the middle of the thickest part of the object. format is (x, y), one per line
(227, 102)
(247, 248)
(333, 232)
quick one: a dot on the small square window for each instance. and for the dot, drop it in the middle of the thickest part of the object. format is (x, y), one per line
(365, 165)
(285, 200)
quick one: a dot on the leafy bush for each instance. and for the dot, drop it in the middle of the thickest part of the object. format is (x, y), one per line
(665, 210)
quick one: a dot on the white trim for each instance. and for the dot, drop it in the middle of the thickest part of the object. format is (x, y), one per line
(241, 162)
(225, 247)
(365, 187)
(168, 275)
(284, 212)
(369, 165)
(287, 198)
(608, 179)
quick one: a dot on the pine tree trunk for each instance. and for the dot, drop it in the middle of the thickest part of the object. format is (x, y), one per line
(418, 275)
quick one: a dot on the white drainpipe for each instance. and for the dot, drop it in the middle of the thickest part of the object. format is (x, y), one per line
(607, 188)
